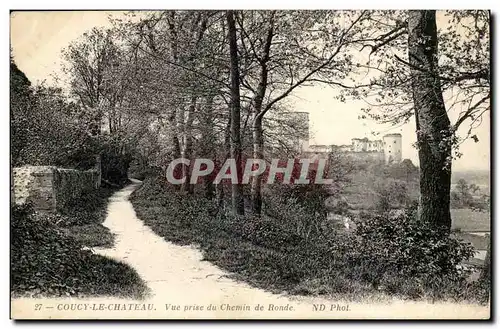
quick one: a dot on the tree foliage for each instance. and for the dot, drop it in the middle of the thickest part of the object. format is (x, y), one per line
(383, 78)
(157, 85)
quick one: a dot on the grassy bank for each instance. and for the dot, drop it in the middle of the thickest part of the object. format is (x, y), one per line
(48, 257)
(270, 254)
(83, 219)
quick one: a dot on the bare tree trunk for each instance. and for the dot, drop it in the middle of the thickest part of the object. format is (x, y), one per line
(176, 150)
(175, 135)
(207, 143)
(188, 145)
(433, 124)
(177, 146)
(258, 139)
(95, 124)
(257, 131)
(209, 187)
(236, 189)
(227, 147)
(110, 122)
(258, 153)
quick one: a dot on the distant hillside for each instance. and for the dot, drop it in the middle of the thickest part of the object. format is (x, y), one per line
(370, 182)
(478, 177)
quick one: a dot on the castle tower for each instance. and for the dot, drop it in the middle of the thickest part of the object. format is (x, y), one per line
(392, 148)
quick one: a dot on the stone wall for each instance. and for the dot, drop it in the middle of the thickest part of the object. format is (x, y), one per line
(49, 188)
(367, 156)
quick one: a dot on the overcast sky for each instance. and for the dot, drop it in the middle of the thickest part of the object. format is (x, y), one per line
(37, 39)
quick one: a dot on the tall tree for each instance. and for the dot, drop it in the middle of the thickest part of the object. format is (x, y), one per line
(91, 62)
(181, 73)
(236, 189)
(287, 50)
(433, 124)
(405, 76)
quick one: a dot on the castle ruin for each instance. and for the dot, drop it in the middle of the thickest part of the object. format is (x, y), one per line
(388, 149)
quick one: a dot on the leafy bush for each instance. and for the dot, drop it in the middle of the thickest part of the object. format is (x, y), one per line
(49, 129)
(140, 170)
(298, 208)
(45, 127)
(47, 262)
(400, 245)
(153, 188)
(89, 208)
(392, 194)
(82, 218)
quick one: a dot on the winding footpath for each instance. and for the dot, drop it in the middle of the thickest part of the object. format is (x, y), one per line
(177, 277)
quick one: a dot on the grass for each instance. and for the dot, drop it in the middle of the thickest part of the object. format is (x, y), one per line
(470, 221)
(112, 278)
(92, 235)
(83, 220)
(270, 256)
(98, 276)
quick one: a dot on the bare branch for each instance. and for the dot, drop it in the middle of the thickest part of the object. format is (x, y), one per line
(470, 111)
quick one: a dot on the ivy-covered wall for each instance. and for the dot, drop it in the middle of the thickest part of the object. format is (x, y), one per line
(50, 188)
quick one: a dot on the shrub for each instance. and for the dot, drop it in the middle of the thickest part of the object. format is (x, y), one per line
(89, 208)
(140, 170)
(399, 245)
(298, 208)
(82, 218)
(153, 188)
(392, 194)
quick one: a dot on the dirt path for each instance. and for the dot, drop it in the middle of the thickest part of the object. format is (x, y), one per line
(176, 275)
(168, 269)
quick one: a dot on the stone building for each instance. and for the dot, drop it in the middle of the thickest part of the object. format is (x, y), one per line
(392, 148)
(387, 150)
(366, 145)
